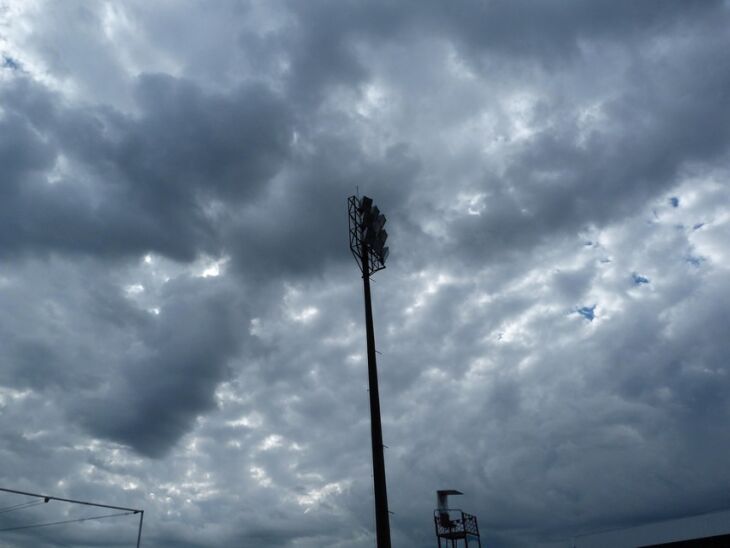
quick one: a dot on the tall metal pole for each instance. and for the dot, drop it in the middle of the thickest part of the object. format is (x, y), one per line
(382, 519)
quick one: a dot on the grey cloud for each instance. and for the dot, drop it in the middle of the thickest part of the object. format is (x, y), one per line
(150, 376)
(497, 137)
(228, 145)
(550, 32)
(155, 174)
(554, 32)
(652, 137)
(167, 383)
(290, 230)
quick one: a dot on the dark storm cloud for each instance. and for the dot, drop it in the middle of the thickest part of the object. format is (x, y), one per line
(554, 31)
(39, 328)
(298, 239)
(326, 34)
(182, 323)
(225, 145)
(153, 374)
(22, 153)
(154, 173)
(168, 382)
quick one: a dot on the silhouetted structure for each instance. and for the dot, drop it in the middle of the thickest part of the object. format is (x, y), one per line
(367, 243)
(47, 498)
(453, 526)
(719, 541)
(706, 530)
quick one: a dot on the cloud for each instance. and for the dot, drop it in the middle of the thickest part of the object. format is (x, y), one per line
(182, 324)
(171, 379)
(126, 185)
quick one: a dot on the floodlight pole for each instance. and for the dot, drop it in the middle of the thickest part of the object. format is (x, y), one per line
(382, 519)
(367, 243)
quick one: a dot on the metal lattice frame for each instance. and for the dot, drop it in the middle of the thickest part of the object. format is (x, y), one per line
(357, 239)
(458, 529)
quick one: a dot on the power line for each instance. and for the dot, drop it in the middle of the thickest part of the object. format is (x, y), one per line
(21, 506)
(47, 498)
(77, 520)
(73, 501)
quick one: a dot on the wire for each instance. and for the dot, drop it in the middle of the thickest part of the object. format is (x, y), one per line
(20, 506)
(78, 520)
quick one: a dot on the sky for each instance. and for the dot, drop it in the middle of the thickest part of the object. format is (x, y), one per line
(181, 320)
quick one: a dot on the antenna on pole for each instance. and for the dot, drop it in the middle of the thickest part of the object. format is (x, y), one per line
(367, 243)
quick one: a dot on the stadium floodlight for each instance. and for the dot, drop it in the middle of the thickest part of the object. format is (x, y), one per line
(367, 243)
(367, 234)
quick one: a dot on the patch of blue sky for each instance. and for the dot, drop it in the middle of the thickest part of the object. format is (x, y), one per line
(588, 312)
(674, 201)
(10, 63)
(638, 280)
(698, 226)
